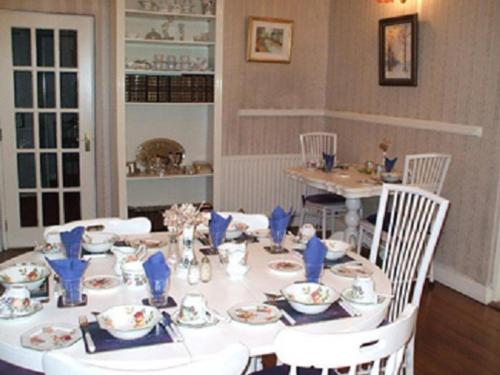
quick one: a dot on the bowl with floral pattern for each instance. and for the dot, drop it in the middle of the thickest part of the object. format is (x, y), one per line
(309, 298)
(98, 242)
(336, 249)
(129, 322)
(30, 275)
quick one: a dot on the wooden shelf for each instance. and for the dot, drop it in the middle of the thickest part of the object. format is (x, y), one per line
(168, 72)
(162, 14)
(164, 42)
(169, 177)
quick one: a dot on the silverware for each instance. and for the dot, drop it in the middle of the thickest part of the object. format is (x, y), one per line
(169, 331)
(84, 326)
(288, 318)
(167, 320)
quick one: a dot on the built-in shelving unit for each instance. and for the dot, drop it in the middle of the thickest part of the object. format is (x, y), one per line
(167, 66)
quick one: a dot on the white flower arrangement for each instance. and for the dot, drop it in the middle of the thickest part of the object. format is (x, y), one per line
(179, 216)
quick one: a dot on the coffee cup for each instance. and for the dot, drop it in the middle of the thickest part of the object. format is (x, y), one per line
(364, 290)
(17, 297)
(133, 273)
(194, 310)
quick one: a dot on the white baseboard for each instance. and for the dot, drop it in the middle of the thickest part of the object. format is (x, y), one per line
(461, 283)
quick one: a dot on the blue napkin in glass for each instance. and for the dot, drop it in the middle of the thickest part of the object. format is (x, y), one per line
(70, 272)
(217, 226)
(278, 222)
(389, 163)
(72, 241)
(157, 272)
(314, 256)
(329, 161)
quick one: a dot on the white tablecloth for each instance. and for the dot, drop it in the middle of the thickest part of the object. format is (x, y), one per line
(221, 294)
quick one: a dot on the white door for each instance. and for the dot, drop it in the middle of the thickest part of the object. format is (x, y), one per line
(47, 122)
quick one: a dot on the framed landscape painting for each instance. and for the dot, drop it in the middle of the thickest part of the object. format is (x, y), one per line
(398, 38)
(269, 40)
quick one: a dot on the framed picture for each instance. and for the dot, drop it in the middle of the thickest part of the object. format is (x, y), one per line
(398, 38)
(269, 40)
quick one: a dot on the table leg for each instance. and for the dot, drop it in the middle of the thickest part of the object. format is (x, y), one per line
(352, 220)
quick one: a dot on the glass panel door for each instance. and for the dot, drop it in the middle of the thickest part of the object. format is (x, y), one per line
(48, 169)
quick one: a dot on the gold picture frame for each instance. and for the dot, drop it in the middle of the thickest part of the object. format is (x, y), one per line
(269, 40)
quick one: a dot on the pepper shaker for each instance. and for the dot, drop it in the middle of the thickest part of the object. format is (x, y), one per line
(193, 272)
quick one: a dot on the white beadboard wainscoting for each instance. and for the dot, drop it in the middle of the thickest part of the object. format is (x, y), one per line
(257, 183)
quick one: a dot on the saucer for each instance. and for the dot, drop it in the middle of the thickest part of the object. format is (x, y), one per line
(8, 313)
(51, 336)
(213, 320)
(257, 314)
(348, 295)
(101, 283)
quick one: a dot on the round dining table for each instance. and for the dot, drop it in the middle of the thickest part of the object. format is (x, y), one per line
(221, 294)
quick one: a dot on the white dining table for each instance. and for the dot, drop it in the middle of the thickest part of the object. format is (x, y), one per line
(221, 294)
(350, 183)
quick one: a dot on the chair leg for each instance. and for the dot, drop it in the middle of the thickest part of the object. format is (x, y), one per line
(302, 216)
(409, 356)
(333, 216)
(323, 223)
(431, 273)
(360, 240)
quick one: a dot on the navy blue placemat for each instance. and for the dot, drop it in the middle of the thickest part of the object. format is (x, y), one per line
(209, 251)
(335, 311)
(169, 303)
(329, 262)
(244, 237)
(42, 293)
(270, 250)
(104, 342)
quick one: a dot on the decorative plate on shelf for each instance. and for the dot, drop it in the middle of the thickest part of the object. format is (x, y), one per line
(255, 314)
(101, 282)
(286, 267)
(51, 336)
(168, 150)
(351, 270)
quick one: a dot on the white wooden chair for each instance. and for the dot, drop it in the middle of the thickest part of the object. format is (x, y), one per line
(427, 171)
(230, 361)
(413, 218)
(380, 350)
(328, 205)
(137, 225)
(254, 221)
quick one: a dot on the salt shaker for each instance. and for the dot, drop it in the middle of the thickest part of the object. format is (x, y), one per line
(193, 272)
(205, 270)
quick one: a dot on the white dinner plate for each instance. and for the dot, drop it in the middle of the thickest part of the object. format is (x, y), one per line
(257, 314)
(285, 267)
(351, 270)
(51, 336)
(101, 283)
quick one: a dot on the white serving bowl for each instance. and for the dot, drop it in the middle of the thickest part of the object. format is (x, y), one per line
(336, 249)
(98, 242)
(309, 298)
(30, 275)
(129, 322)
(235, 229)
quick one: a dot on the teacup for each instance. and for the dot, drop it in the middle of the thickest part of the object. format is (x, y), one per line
(17, 297)
(125, 254)
(194, 310)
(363, 290)
(133, 273)
(306, 232)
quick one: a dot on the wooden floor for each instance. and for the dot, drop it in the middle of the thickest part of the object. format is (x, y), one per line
(455, 335)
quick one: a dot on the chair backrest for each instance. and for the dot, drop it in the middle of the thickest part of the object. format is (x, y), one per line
(414, 219)
(314, 144)
(427, 171)
(330, 351)
(254, 221)
(137, 225)
(230, 361)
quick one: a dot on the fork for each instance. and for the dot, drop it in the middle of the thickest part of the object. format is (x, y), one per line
(84, 326)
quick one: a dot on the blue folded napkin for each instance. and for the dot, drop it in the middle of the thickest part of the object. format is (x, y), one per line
(157, 272)
(389, 163)
(72, 241)
(70, 272)
(278, 222)
(314, 256)
(217, 226)
(329, 161)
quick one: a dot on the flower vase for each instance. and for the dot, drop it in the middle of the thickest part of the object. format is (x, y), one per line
(187, 241)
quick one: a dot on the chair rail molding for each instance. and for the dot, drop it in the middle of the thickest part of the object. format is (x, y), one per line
(404, 122)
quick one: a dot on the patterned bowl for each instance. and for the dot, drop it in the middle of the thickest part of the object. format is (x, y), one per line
(30, 275)
(309, 298)
(129, 322)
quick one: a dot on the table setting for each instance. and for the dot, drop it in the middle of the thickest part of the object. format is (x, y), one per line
(135, 298)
